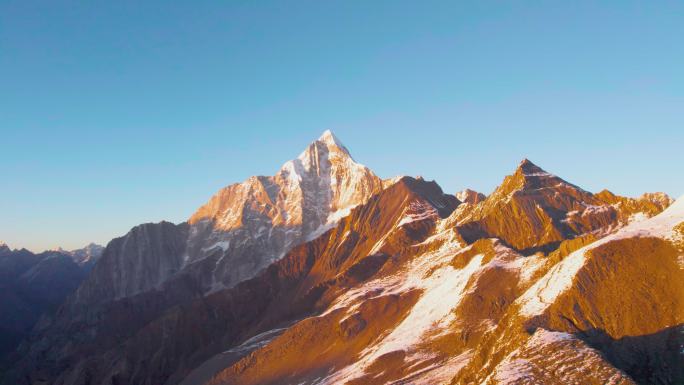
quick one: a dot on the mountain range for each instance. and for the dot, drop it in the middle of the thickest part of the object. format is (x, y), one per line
(34, 284)
(325, 273)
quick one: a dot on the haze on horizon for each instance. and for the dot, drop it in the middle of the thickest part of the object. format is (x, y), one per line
(116, 114)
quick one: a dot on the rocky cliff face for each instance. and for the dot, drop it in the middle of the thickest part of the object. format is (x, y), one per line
(139, 261)
(470, 196)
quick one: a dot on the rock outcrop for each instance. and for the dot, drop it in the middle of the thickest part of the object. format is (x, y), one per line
(470, 196)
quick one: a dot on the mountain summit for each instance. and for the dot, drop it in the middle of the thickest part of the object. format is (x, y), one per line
(242, 229)
(533, 209)
(526, 167)
(4, 248)
(251, 224)
(329, 138)
(323, 178)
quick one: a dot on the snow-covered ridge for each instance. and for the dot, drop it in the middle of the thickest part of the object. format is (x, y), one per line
(560, 277)
(441, 290)
(557, 354)
(442, 286)
(86, 254)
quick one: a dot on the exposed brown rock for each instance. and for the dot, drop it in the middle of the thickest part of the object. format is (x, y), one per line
(627, 290)
(557, 358)
(470, 196)
(315, 345)
(535, 210)
(624, 303)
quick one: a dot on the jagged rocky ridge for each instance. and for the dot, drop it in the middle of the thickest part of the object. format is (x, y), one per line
(539, 282)
(85, 257)
(32, 285)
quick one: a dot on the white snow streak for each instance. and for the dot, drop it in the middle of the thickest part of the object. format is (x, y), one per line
(560, 277)
(442, 290)
(417, 211)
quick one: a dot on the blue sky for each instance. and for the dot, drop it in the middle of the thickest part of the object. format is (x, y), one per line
(114, 113)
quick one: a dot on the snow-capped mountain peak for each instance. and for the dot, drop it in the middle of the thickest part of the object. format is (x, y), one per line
(268, 215)
(329, 138)
(328, 146)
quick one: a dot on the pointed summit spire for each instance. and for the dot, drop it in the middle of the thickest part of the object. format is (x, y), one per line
(527, 176)
(330, 139)
(328, 143)
(527, 168)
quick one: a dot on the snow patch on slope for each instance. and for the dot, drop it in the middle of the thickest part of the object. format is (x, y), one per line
(508, 259)
(417, 211)
(544, 292)
(440, 372)
(258, 341)
(560, 355)
(434, 309)
(442, 290)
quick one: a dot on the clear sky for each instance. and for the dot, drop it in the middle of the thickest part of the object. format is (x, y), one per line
(115, 113)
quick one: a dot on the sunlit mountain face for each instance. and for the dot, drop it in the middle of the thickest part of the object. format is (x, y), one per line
(326, 274)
